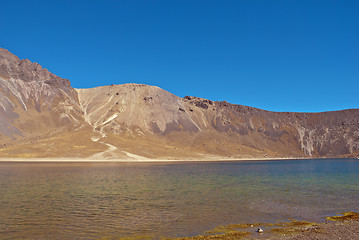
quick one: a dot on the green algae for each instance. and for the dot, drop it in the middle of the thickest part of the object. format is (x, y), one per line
(134, 237)
(292, 223)
(291, 227)
(232, 235)
(346, 216)
(231, 227)
(285, 230)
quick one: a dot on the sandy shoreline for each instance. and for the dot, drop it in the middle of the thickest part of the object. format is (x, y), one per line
(89, 160)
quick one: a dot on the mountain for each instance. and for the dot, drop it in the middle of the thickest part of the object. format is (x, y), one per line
(41, 115)
(36, 107)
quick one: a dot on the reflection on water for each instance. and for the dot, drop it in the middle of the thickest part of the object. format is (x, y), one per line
(94, 200)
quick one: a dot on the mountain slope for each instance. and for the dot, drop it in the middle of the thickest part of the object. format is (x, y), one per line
(34, 105)
(41, 115)
(201, 126)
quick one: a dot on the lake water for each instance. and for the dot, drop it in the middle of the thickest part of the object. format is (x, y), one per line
(114, 200)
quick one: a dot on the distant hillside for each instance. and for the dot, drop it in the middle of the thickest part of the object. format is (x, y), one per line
(41, 115)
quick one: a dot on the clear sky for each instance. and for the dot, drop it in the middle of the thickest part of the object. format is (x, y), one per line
(279, 55)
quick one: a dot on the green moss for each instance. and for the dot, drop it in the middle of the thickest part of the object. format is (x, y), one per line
(285, 230)
(232, 235)
(135, 237)
(291, 227)
(346, 216)
(231, 227)
(294, 223)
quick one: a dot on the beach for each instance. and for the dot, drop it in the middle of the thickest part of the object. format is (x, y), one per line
(208, 158)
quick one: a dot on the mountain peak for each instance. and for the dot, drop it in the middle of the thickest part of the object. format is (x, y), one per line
(23, 69)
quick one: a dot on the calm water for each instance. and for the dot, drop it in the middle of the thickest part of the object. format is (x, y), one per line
(95, 200)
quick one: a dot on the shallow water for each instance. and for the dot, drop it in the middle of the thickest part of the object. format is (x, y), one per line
(95, 200)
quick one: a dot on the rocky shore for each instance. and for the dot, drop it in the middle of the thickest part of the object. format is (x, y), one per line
(345, 227)
(347, 230)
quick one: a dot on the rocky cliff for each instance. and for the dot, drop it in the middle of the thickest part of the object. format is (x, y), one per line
(41, 115)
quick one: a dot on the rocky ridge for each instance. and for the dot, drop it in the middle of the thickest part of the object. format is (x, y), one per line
(41, 115)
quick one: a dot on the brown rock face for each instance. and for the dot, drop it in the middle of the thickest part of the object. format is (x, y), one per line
(33, 101)
(12, 67)
(41, 115)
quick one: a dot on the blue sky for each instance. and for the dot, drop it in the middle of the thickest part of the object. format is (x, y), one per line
(279, 55)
